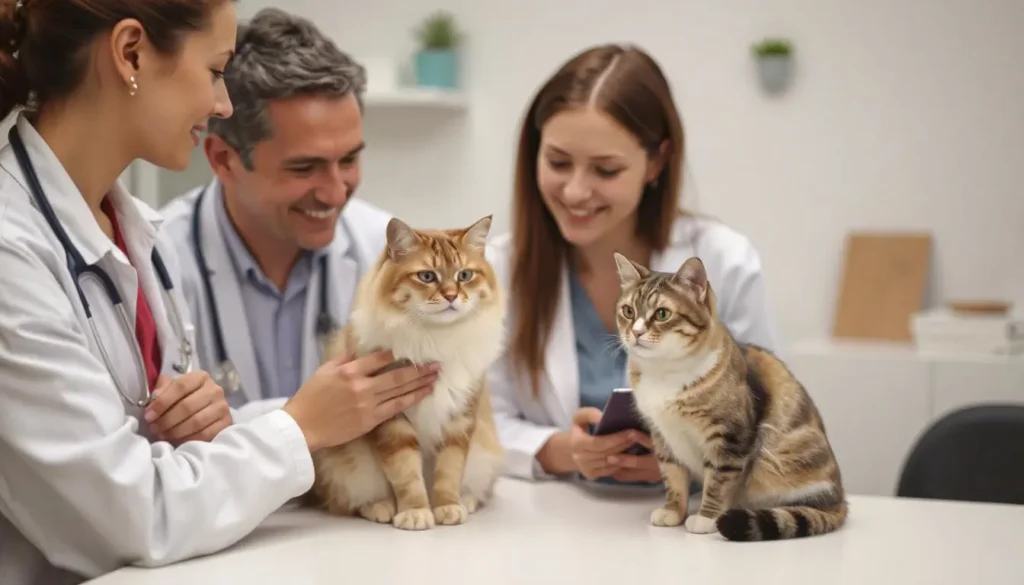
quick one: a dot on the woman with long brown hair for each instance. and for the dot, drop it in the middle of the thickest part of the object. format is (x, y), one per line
(598, 170)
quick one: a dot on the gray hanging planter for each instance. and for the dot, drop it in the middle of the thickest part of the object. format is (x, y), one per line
(774, 60)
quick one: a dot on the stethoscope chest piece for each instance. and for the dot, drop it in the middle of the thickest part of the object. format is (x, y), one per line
(227, 376)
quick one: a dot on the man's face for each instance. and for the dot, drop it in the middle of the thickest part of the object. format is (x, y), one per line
(305, 172)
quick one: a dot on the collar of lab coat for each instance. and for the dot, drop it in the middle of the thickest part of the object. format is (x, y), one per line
(72, 211)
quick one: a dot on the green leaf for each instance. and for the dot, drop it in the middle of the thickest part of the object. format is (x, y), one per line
(772, 46)
(439, 32)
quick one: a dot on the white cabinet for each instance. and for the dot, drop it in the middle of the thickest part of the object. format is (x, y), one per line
(877, 398)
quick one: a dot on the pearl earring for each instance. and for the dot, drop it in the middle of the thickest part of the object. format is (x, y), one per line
(134, 86)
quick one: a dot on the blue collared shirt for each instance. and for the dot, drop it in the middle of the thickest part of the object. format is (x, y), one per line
(275, 317)
(600, 357)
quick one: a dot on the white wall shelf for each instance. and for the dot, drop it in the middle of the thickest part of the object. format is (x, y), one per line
(415, 97)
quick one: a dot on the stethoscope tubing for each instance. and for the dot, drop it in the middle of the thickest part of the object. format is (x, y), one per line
(78, 268)
(325, 323)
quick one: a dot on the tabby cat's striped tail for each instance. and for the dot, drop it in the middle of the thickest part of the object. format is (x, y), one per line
(780, 523)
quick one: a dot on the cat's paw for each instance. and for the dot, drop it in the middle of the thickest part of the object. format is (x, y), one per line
(451, 514)
(471, 503)
(382, 511)
(666, 517)
(698, 524)
(414, 519)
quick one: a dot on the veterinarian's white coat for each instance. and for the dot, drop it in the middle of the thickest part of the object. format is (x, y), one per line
(525, 422)
(83, 490)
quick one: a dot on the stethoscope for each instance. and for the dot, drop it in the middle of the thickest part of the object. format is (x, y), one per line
(226, 374)
(78, 269)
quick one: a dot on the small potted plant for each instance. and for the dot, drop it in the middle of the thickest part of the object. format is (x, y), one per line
(774, 63)
(437, 61)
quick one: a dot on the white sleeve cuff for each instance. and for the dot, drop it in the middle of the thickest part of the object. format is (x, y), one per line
(280, 423)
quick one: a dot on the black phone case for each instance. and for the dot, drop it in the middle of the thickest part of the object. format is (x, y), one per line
(619, 415)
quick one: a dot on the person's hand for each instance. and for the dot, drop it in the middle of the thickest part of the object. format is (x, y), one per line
(341, 401)
(633, 468)
(594, 455)
(191, 407)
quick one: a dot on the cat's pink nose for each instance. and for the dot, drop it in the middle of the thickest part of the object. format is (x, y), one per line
(450, 297)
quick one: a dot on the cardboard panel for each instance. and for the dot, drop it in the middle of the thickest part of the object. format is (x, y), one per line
(883, 285)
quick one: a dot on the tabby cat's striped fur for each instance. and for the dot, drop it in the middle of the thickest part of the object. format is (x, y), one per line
(729, 415)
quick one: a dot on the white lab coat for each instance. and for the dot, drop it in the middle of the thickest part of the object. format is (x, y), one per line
(360, 238)
(525, 423)
(82, 489)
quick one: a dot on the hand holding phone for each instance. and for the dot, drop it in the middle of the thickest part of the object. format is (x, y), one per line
(620, 414)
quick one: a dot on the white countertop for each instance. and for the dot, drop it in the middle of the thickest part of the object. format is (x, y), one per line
(567, 534)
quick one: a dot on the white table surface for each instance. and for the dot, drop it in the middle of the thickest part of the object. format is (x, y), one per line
(568, 534)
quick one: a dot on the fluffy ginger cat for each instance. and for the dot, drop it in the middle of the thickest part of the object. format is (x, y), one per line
(431, 297)
(727, 414)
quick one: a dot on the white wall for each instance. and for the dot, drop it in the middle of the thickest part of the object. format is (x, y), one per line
(903, 115)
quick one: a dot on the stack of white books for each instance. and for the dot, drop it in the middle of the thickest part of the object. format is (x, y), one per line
(944, 331)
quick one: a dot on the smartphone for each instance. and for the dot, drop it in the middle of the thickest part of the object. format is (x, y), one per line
(620, 414)
(399, 363)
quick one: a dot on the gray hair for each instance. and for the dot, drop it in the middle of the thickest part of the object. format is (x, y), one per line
(277, 56)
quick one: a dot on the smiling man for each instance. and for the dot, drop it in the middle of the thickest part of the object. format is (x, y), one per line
(273, 247)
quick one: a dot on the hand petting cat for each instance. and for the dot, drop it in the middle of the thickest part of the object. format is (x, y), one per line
(344, 400)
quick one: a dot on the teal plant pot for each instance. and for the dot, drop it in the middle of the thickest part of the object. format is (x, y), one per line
(437, 68)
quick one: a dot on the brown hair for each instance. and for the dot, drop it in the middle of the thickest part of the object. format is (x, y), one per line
(634, 92)
(43, 43)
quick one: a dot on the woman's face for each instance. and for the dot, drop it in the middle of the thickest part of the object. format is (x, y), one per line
(591, 172)
(177, 96)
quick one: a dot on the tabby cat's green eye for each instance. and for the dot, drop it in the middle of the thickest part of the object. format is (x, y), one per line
(464, 275)
(426, 276)
(628, 312)
(661, 314)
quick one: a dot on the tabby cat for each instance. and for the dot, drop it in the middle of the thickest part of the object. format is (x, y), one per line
(431, 297)
(727, 414)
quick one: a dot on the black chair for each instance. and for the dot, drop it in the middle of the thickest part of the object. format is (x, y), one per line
(973, 454)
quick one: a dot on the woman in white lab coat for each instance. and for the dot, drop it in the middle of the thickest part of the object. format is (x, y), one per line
(112, 450)
(598, 170)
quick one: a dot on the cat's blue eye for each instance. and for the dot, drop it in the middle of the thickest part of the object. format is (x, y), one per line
(426, 276)
(464, 275)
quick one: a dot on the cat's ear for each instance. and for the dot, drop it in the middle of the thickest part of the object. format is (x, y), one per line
(694, 277)
(401, 239)
(629, 272)
(475, 236)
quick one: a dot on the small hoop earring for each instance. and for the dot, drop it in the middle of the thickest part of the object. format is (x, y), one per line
(134, 87)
